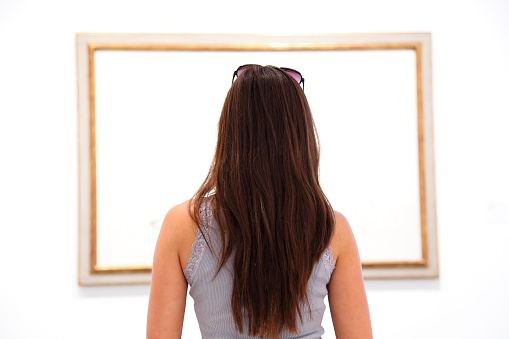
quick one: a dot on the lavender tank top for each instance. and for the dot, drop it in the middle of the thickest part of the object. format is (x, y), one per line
(212, 297)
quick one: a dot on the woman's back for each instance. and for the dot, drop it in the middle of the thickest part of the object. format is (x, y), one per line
(212, 293)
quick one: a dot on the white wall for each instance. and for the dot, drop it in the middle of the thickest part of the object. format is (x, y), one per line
(39, 296)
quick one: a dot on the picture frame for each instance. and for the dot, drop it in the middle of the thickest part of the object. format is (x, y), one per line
(148, 106)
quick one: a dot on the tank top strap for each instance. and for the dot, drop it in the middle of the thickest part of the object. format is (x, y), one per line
(328, 261)
(199, 243)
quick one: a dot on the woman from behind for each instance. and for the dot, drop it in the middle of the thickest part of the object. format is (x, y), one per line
(259, 244)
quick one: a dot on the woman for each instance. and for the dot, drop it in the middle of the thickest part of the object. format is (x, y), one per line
(259, 244)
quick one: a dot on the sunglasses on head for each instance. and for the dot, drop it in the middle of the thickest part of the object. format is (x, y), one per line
(291, 72)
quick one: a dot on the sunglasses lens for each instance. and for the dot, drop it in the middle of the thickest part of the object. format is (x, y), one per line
(294, 74)
(242, 69)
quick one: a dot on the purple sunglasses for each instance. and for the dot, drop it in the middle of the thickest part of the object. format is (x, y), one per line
(291, 72)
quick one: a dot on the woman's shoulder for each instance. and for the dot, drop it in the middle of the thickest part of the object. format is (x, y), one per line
(180, 212)
(341, 234)
(179, 228)
(178, 219)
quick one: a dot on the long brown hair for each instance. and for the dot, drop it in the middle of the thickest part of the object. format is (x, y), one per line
(266, 198)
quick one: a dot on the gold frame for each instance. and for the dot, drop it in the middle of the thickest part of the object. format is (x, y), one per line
(425, 182)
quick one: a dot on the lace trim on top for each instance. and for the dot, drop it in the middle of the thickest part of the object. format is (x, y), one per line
(199, 244)
(194, 259)
(328, 261)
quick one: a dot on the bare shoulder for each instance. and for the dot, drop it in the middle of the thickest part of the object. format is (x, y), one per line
(342, 236)
(179, 213)
(168, 285)
(347, 296)
(178, 227)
